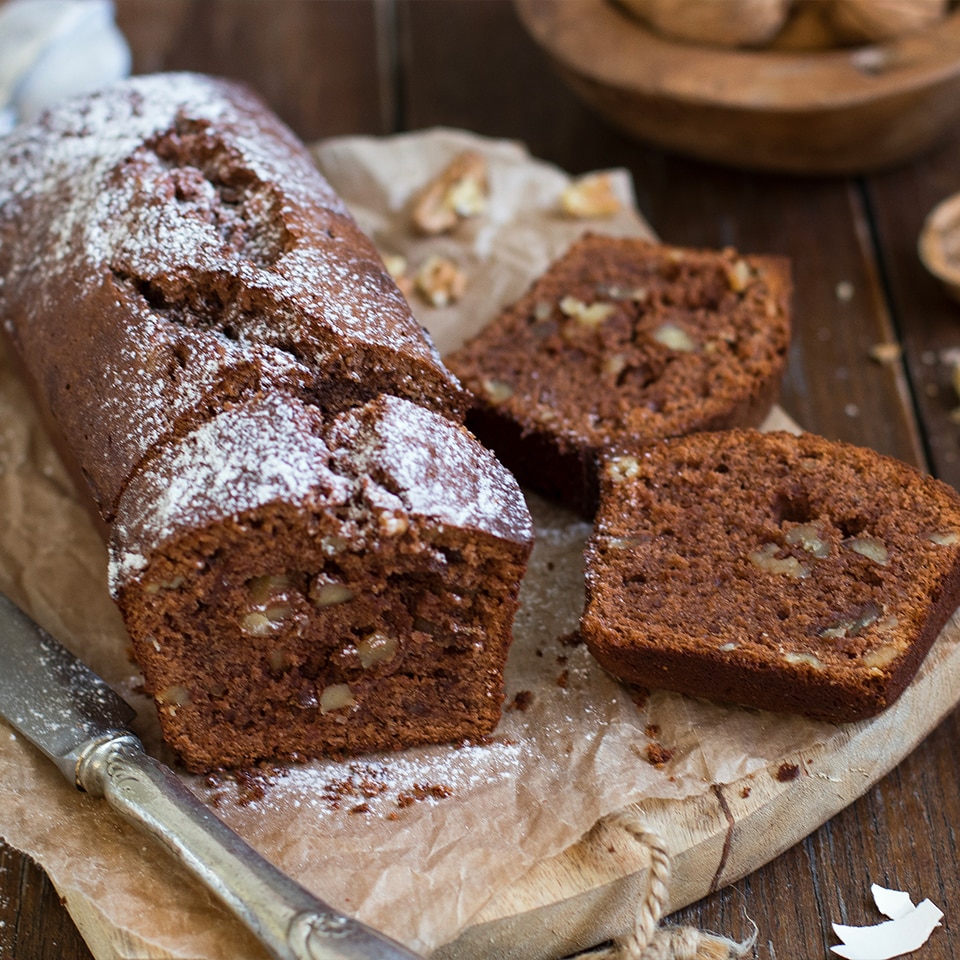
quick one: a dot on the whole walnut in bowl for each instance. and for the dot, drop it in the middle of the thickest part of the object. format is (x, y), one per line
(726, 23)
(811, 98)
(758, 23)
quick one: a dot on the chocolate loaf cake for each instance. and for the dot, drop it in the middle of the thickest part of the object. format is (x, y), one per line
(622, 342)
(787, 573)
(310, 552)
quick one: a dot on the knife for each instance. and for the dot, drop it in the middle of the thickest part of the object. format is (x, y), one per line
(81, 724)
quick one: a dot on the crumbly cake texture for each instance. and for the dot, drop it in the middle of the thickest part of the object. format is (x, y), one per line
(787, 573)
(311, 554)
(622, 342)
(174, 236)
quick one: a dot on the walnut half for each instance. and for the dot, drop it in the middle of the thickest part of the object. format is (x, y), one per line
(460, 191)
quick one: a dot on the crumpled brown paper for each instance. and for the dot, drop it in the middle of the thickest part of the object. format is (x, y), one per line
(414, 843)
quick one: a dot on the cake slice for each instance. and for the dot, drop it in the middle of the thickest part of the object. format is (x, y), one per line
(296, 584)
(774, 571)
(622, 342)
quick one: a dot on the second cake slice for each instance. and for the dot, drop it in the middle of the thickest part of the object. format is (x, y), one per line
(620, 343)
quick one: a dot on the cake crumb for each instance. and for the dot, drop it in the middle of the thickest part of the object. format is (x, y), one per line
(787, 772)
(844, 291)
(886, 353)
(658, 754)
(521, 701)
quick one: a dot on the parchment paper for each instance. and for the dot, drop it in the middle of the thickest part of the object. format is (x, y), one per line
(414, 843)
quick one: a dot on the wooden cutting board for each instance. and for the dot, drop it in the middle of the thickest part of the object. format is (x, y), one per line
(590, 891)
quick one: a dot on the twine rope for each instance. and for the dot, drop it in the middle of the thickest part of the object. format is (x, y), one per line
(647, 939)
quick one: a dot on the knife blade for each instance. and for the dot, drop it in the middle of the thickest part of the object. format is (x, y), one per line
(79, 722)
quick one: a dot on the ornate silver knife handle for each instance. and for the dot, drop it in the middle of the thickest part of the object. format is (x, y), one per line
(290, 922)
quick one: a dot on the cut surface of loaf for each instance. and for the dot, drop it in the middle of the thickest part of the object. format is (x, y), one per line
(786, 573)
(291, 580)
(311, 554)
(621, 342)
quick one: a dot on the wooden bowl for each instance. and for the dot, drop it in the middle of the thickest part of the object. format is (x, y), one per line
(837, 111)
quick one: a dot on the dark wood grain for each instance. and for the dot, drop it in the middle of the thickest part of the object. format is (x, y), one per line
(929, 322)
(315, 63)
(33, 923)
(332, 67)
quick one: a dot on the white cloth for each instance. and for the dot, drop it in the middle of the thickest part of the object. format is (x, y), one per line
(51, 49)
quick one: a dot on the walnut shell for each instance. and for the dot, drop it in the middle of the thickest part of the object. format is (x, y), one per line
(727, 23)
(873, 21)
(939, 244)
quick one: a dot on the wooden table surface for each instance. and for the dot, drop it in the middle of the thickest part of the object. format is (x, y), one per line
(334, 67)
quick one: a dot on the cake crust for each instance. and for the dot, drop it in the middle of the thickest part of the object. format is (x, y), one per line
(173, 235)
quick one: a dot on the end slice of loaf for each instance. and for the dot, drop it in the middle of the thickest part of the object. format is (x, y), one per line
(622, 342)
(787, 573)
(297, 584)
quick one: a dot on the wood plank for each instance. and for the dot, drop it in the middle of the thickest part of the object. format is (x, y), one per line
(33, 923)
(277, 54)
(928, 320)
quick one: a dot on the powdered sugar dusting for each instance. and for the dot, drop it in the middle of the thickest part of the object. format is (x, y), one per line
(440, 473)
(192, 368)
(379, 786)
(172, 221)
(252, 455)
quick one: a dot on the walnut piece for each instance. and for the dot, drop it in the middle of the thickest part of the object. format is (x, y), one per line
(623, 468)
(766, 560)
(673, 337)
(440, 281)
(327, 592)
(590, 196)
(808, 536)
(461, 190)
(739, 275)
(588, 315)
(336, 696)
(809, 659)
(871, 548)
(377, 648)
